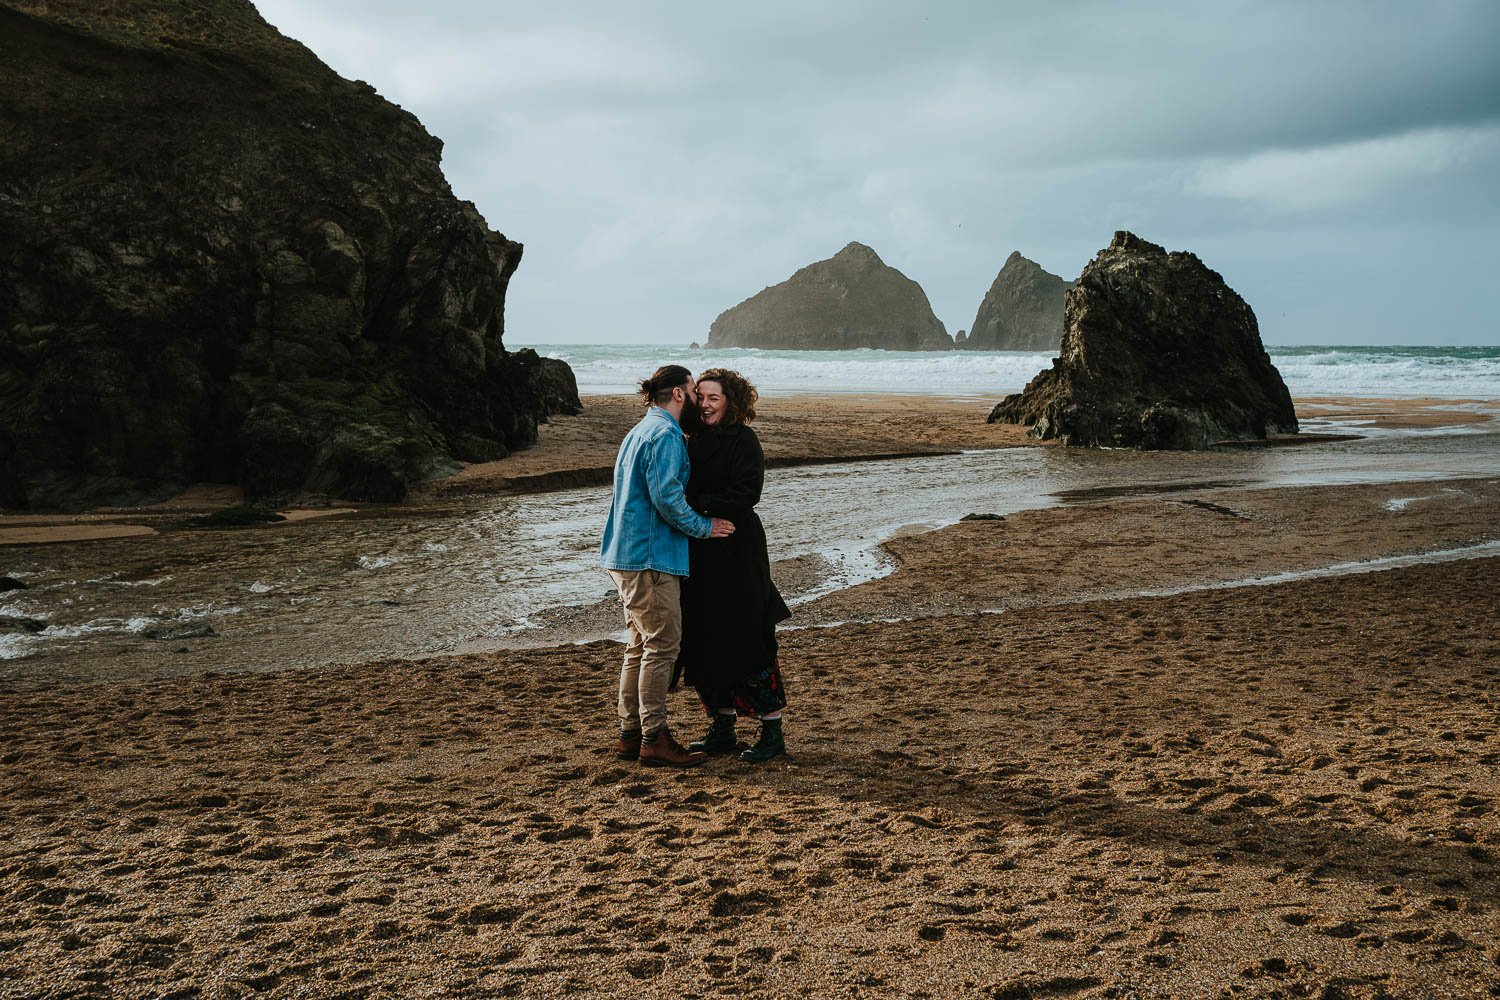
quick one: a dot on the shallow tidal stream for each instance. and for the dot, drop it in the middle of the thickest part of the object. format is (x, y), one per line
(485, 571)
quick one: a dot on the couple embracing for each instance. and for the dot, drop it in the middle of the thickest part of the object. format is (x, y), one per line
(687, 553)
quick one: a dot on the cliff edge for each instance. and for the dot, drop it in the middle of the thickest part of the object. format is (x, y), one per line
(220, 261)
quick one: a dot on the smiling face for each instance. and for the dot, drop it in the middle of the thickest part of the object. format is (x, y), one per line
(711, 402)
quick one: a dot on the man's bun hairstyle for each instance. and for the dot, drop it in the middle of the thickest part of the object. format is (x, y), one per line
(658, 388)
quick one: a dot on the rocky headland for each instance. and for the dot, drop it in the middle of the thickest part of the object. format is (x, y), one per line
(851, 300)
(1157, 352)
(222, 262)
(1022, 311)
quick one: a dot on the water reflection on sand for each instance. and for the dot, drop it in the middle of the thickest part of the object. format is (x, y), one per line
(507, 570)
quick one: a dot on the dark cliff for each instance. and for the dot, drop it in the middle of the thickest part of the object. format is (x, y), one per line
(851, 300)
(1157, 352)
(1022, 311)
(220, 261)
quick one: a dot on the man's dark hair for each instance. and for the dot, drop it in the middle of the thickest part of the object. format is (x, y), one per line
(658, 388)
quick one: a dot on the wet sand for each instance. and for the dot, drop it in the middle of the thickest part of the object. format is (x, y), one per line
(1397, 414)
(44, 529)
(803, 429)
(580, 450)
(73, 530)
(1186, 538)
(1281, 790)
(794, 430)
(837, 427)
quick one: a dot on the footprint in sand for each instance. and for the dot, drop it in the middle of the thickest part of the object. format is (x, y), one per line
(729, 904)
(645, 968)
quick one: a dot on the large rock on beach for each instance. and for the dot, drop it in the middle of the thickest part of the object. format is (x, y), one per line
(851, 300)
(220, 261)
(1022, 311)
(1157, 352)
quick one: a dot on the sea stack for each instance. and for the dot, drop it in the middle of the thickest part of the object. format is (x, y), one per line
(849, 301)
(1022, 311)
(1157, 352)
(220, 261)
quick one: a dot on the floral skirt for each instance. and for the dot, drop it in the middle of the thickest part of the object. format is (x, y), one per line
(756, 696)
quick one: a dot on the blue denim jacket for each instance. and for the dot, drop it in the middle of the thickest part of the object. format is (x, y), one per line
(649, 518)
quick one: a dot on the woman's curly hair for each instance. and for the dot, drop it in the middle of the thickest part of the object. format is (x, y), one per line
(739, 395)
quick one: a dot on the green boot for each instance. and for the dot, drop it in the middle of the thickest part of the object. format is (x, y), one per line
(719, 738)
(771, 743)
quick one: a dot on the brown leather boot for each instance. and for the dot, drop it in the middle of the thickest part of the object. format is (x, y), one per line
(660, 750)
(630, 746)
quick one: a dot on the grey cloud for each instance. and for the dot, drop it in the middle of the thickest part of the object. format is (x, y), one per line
(663, 161)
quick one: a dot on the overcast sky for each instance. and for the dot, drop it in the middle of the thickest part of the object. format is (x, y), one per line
(1337, 162)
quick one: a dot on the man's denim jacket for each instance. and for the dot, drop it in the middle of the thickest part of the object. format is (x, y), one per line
(649, 518)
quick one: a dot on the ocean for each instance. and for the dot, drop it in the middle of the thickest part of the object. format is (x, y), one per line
(1309, 371)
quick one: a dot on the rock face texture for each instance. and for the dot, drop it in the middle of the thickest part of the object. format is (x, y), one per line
(1157, 352)
(849, 301)
(220, 261)
(1022, 311)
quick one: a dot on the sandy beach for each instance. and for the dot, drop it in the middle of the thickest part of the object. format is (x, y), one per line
(809, 428)
(580, 451)
(323, 328)
(1082, 751)
(795, 430)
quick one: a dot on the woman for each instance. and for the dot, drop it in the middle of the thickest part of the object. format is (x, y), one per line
(730, 607)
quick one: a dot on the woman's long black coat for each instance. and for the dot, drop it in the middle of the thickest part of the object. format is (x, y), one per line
(730, 607)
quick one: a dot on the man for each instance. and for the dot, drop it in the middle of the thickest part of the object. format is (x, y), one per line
(645, 549)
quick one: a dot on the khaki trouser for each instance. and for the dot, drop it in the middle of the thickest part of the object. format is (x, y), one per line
(653, 613)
